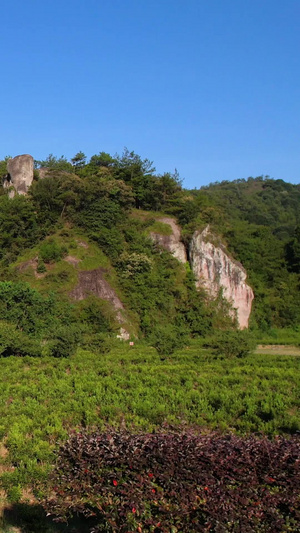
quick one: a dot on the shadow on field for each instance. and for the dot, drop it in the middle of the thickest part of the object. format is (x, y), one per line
(25, 518)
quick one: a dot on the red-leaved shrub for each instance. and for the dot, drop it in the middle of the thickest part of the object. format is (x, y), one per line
(183, 482)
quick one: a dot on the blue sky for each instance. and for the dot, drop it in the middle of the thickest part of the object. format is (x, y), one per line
(210, 87)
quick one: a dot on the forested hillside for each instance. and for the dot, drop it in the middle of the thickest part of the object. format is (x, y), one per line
(259, 220)
(114, 203)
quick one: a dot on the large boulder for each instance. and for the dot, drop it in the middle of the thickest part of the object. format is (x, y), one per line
(214, 269)
(20, 173)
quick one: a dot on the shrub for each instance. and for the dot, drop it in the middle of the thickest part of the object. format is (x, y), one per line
(41, 268)
(178, 482)
(51, 252)
(96, 315)
(16, 342)
(166, 339)
(65, 342)
(29, 310)
(97, 343)
(131, 264)
(232, 343)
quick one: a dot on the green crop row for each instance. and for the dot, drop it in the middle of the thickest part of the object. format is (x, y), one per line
(43, 399)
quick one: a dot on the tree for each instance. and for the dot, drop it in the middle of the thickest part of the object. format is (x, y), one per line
(130, 165)
(138, 173)
(79, 160)
(54, 163)
(103, 159)
(292, 252)
(3, 166)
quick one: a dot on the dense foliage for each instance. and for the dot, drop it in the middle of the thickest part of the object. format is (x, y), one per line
(179, 482)
(231, 343)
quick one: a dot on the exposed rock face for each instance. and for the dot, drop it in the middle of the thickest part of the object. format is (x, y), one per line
(171, 243)
(20, 170)
(214, 269)
(93, 282)
(123, 335)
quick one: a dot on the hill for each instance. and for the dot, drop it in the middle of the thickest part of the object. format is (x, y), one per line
(126, 216)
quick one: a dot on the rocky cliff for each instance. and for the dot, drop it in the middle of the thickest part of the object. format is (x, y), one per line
(172, 243)
(20, 173)
(94, 282)
(214, 269)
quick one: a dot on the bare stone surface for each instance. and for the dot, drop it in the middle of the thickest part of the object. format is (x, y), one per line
(172, 243)
(20, 170)
(72, 260)
(123, 335)
(214, 269)
(94, 282)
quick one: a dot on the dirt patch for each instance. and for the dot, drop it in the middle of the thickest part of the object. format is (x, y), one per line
(32, 263)
(82, 244)
(72, 260)
(3, 451)
(278, 349)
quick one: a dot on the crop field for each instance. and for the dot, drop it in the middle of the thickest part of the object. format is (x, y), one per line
(43, 400)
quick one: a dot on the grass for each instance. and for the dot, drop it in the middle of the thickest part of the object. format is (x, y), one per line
(160, 227)
(280, 336)
(87, 253)
(62, 276)
(281, 349)
(143, 215)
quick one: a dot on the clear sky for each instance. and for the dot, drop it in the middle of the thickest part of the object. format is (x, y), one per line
(210, 87)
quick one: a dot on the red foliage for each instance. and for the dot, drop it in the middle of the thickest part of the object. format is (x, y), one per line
(191, 482)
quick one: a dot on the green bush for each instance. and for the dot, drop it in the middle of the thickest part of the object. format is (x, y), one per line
(29, 310)
(166, 339)
(51, 252)
(130, 265)
(97, 343)
(232, 343)
(41, 268)
(16, 342)
(65, 342)
(96, 315)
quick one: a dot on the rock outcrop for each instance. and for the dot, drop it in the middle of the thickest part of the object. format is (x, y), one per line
(215, 270)
(172, 243)
(94, 282)
(20, 173)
